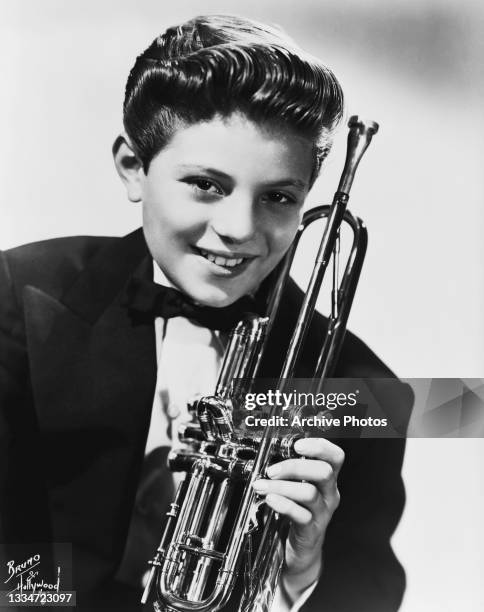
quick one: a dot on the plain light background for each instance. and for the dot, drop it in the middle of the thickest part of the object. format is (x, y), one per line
(413, 65)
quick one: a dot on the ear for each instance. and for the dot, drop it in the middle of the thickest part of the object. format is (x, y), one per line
(129, 167)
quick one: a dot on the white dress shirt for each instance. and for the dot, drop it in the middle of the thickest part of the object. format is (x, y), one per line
(189, 359)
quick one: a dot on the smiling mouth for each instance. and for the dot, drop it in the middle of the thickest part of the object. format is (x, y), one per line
(224, 261)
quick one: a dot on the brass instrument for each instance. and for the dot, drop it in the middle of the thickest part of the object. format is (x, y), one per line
(210, 529)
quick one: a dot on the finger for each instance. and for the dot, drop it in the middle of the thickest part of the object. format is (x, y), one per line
(285, 506)
(320, 473)
(300, 492)
(320, 448)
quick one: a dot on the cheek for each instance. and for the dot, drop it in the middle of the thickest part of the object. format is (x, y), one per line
(172, 218)
(280, 235)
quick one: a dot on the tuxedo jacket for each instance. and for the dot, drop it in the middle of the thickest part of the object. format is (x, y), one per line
(77, 378)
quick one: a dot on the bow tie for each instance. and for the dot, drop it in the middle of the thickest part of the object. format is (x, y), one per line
(149, 300)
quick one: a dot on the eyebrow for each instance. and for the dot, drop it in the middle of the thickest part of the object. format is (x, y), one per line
(282, 183)
(289, 183)
(194, 167)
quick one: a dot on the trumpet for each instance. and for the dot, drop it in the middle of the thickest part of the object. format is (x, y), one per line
(216, 528)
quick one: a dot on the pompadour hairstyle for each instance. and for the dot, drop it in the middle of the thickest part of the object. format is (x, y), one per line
(219, 64)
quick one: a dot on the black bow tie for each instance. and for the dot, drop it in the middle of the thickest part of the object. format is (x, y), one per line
(148, 300)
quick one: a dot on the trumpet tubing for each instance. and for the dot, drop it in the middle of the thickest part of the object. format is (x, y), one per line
(216, 528)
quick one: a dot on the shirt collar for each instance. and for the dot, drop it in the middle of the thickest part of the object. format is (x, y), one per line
(159, 277)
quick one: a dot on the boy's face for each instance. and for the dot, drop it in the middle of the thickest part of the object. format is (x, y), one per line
(221, 205)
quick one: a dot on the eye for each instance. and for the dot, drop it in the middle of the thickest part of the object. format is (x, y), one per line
(279, 198)
(205, 185)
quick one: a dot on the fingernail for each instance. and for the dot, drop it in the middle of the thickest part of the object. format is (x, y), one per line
(274, 470)
(260, 486)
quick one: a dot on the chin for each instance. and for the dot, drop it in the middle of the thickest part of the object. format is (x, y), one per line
(214, 297)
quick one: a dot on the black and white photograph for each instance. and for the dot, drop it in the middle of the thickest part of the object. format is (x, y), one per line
(241, 306)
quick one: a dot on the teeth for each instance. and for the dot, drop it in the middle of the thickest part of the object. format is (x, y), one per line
(222, 261)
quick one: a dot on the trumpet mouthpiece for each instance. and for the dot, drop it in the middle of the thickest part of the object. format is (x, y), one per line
(364, 124)
(359, 137)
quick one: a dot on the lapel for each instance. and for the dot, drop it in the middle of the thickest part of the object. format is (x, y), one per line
(93, 374)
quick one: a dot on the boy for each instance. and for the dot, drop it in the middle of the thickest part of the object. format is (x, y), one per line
(226, 125)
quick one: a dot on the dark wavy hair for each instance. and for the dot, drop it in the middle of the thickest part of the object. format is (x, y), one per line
(216, 65)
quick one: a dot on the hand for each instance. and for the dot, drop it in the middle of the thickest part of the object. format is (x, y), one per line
(309, 505)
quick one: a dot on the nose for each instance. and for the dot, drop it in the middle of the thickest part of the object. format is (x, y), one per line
(233, 219)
